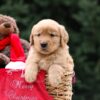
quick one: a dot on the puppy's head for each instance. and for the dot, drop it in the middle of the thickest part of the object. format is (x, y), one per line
(47, 36)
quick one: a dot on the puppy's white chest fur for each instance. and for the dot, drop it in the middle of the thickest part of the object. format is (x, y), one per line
(55, 58)
(43, 64)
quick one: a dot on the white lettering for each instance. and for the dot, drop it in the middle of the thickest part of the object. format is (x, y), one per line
(12, 96)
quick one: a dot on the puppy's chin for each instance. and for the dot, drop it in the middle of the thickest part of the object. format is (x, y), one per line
(44, 51)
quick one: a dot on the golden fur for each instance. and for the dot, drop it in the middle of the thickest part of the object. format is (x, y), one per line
(49, 51)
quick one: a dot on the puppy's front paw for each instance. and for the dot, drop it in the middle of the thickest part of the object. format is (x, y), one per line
(30, 76)
(55, 79)
(55, 74)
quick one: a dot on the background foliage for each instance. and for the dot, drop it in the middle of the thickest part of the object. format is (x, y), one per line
(82, 20)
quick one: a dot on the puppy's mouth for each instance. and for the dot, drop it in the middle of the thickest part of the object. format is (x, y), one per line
(44, 51)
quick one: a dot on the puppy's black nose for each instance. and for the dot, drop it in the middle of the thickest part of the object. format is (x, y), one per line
(44, 45)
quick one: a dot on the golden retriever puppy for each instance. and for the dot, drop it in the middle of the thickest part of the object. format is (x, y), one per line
(49, 51)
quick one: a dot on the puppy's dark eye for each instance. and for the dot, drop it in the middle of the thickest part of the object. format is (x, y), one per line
(38, 34)
(52, 35)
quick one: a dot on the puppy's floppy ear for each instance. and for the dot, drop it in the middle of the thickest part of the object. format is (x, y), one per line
(64, 36)
(31, 36)
(31, 40)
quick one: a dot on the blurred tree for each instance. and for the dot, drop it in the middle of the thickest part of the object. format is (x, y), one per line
(82, 20)
(87, 52)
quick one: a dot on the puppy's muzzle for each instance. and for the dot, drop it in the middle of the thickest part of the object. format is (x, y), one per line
(44, 45)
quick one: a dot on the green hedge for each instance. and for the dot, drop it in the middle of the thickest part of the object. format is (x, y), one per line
(82, 20)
